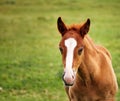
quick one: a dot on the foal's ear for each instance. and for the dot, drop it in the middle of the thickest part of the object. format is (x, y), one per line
(61, 26)
(85, 28)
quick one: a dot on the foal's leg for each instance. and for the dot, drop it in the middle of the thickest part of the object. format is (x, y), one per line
(67, 91)
(108, 100)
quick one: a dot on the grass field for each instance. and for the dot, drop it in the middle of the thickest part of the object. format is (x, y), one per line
(30, 62)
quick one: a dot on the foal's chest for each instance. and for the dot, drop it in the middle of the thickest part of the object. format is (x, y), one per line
(83, 95)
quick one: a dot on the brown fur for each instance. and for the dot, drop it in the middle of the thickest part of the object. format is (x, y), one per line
(95, 79)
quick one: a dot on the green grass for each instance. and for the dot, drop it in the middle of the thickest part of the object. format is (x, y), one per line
(30, 62)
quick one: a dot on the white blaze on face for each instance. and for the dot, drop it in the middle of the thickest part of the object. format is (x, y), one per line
(70, 45)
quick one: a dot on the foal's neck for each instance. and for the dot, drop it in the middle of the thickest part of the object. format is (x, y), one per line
(89, 44)
(87, 69)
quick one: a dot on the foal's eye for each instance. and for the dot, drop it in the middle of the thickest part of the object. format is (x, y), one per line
(80, 50)
(61, 50)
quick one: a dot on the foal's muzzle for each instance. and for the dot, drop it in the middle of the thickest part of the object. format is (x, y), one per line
(68, 81)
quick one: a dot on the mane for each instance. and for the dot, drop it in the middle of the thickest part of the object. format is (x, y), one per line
(89, 44)
(75, 27)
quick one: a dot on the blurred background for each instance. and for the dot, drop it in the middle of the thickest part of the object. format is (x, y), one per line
(30, 62)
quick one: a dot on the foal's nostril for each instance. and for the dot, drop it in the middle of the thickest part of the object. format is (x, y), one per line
(73, 77)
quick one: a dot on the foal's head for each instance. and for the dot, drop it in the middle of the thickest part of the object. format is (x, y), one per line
(72, 48)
